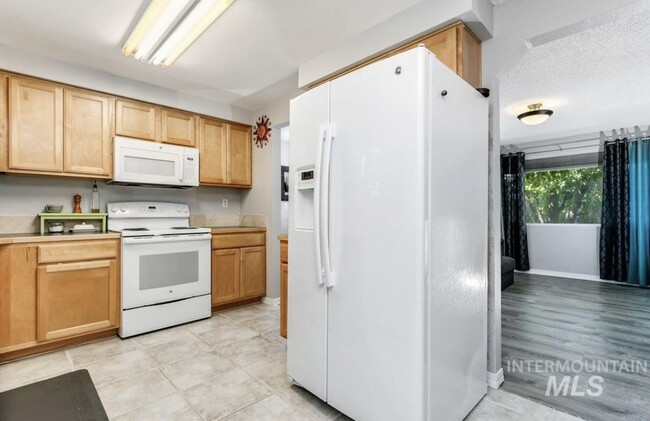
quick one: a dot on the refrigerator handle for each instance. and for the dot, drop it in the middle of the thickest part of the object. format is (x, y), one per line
(317, 202)
(325, 207)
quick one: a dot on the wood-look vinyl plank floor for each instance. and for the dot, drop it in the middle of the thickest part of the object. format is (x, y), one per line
(557, 319)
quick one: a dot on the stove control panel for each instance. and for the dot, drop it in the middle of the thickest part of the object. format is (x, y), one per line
(147, 210)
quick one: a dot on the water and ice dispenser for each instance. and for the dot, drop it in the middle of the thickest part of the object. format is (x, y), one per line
(305, 179)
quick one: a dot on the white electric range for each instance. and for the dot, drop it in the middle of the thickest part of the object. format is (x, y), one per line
(165, 266)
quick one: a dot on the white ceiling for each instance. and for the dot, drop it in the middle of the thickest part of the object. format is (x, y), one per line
(596, 79)
(238, 60)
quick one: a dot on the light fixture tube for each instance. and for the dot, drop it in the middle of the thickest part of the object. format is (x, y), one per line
(197, 21)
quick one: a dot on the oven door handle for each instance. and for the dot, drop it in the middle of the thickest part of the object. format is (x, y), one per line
(166, 239)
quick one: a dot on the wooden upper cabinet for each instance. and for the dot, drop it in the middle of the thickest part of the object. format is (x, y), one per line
(35, 125)
(87, 134)
(468, 56)
(212, 151)
(76, 298)
(137, 119)
(3, 121)
(239, 155)
(178, 128)
(253, 271)
(443, 45)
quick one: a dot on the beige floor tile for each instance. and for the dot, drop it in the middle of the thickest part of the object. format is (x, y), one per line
(99, 350)
(223, 335)
(274, 335)
(131, 392)
(521, 405)
(241, 314)
(272, 370)
(272, 408)
(249, 351)
(171, 408)
(263, 324)
(32, 369)
(226, 394)
(192, 371)
(124, 365)
(202, 325)
(176, 350)
(313, 407)
(488, 410)
(162, 336)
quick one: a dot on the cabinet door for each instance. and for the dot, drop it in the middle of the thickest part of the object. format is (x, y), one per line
(253, 271)
(87, 133)
(212, 151)
(3, 122)
(443, 45)
(239, 155)
(178, 128)
(17, 297)
(136, 119)
(284, 285)
(468, 57)
(35, 125)
(225, 276)
(76, 298)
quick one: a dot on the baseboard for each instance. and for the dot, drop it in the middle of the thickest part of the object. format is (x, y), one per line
(581, 276)
(275, 302)
(494, 380)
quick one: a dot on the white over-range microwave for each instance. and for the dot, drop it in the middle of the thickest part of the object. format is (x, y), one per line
(143, 163)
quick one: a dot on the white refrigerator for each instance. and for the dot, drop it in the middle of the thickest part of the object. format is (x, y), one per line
(387, 289)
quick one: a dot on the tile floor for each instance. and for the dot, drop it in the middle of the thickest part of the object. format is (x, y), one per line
(232, 366)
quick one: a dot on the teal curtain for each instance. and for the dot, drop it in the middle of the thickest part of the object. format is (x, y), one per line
(639, 170)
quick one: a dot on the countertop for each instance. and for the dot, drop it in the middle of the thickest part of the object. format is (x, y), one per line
(283, 237)
(39, 238)
(235, 230)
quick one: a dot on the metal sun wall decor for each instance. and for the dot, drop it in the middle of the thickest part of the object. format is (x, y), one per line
(262, 132)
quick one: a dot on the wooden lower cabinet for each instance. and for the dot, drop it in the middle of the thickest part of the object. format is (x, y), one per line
(76, 298)
(225, 276)
(51, 304)
(284, 283)
(238, 268)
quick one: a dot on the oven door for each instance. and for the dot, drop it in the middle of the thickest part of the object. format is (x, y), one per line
(164, 268)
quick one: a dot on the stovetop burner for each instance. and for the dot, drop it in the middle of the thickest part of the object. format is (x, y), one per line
(136, 229)
(184, 228)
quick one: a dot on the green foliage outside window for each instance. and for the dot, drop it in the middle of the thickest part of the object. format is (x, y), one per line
(572, 196)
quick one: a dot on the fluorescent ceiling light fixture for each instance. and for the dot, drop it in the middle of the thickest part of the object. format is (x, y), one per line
(166, 28)
(535, 115)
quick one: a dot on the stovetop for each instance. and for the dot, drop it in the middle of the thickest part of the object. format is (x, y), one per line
(135, 219)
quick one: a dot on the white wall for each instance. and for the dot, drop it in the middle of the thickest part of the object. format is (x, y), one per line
(26, 196)
(568, 250)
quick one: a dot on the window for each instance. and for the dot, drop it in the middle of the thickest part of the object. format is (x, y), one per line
(571, 196)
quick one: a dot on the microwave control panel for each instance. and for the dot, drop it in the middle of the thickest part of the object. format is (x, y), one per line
(305, 178)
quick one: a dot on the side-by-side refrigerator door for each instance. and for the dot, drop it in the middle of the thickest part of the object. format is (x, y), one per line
(376, 234)
(307, 294)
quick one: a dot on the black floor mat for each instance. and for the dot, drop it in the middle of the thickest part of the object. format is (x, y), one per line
(69, 397)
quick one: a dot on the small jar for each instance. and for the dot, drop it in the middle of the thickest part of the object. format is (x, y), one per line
(55, 227)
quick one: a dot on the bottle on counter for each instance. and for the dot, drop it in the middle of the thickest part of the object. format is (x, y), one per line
(94, 199)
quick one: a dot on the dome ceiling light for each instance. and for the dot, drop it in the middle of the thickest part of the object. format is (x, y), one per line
(535, 115)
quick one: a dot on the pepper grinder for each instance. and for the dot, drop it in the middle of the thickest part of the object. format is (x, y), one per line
(77, 203)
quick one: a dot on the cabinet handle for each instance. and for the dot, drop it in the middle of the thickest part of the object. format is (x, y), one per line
(66, 267)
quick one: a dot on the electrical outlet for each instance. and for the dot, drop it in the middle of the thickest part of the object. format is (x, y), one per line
(224, 203)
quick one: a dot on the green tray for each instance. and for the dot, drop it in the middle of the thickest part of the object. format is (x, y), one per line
(47, 216)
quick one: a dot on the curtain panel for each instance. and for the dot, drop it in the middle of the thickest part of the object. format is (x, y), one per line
(615, 219)
(513, 208)
(639, 173)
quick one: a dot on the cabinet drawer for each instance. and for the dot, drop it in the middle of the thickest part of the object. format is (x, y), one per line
(70, 251)
(229, 241)
(284, 251)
